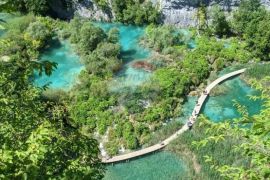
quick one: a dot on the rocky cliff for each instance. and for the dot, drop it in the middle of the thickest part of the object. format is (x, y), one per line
(177, 12)
(87, 8)
(182, 12)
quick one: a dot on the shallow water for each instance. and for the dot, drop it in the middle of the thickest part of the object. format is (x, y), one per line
(217, 108)
(131, 52)
(158, 166)
(220, 108)
(68, 67)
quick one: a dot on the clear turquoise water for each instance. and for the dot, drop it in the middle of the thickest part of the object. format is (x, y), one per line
(162, 165)
(220, 108)
(158, 166)
(187, 109)
(131, 52)
(68, 67)
(217, 108)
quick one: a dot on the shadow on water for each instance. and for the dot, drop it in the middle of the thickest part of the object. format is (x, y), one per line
(128, 55)
(53, 44)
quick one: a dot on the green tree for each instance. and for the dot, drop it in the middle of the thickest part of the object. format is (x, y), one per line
(90, 37)
(12, 5)
(135, 12)
(247, 11)
(38, 7)
(113, 35)
(37, 140)
(253, 139)
(39, 32)
(220, 24)
(202, 18)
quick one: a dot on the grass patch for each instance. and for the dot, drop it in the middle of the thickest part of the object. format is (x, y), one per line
(258, 71)
(164, 132)
(221, 152)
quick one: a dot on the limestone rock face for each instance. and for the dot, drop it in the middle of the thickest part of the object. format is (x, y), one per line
(176, 12)
(182, 12)
(88, 9)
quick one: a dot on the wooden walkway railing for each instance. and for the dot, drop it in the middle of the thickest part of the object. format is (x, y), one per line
(188, 125)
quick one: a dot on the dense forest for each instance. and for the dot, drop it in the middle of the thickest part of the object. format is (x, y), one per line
(54, 134)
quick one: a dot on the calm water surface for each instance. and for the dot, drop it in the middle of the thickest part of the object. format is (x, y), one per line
(158, 166)
(68, 67)
(218, 108)
(162, 165)
(131, 52)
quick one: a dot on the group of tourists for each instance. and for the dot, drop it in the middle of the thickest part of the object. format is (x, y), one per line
(195, 114)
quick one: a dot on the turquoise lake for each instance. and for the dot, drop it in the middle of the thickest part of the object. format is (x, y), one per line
(131, 52)
(162, 165)
(217, 108)
(157, 166)
(68, 67)
(220, 108)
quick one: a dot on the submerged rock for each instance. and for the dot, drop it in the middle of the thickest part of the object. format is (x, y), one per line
(143, 65)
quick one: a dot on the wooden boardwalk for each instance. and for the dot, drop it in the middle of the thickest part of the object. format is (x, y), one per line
(190, 122)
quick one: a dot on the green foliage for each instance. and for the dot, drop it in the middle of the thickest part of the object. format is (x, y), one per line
(220, 24)
(135, 12)
(129, 136)
(39, 32)
(113, 35)
(162, 37)
(103, 61)
(258, 71)
(257, 37)
(37, 7)
(251, 21)
(18, 25)
(36, 137)
(247, 11)
(90, 37)
(221, 153)
(254, 139)
(202, 17)
(103, 4)
(171, 82)
(12, 5)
